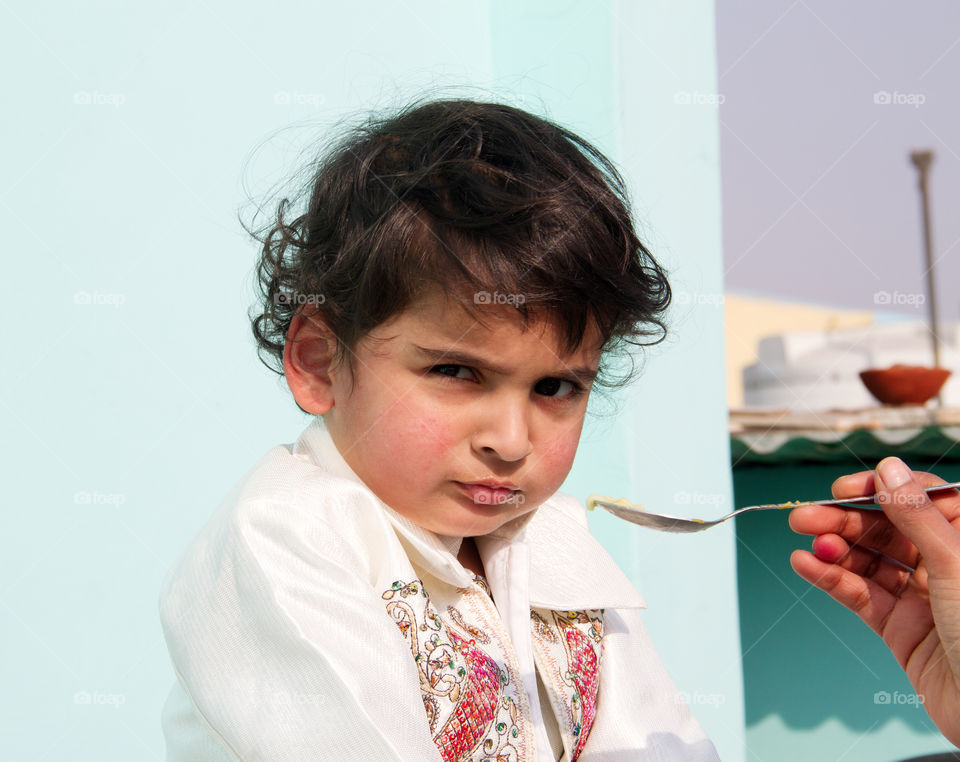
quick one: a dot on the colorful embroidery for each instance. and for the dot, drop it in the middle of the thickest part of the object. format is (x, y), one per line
(469, 697)
(475, 632)
(573, 667)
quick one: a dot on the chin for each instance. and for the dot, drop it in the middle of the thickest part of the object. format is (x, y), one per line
(471, 529)
(470, 526)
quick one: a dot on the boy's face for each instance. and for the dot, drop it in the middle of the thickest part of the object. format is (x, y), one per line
(458, 426)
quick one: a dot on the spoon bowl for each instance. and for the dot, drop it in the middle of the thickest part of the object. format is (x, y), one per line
(663, 522)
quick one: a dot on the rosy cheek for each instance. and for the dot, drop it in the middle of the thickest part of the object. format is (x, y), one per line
(557, 457)
(434, 434)
(415, 436)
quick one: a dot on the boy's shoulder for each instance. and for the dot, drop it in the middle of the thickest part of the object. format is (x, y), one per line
(287, 506)
(566, 506)
(301, 504)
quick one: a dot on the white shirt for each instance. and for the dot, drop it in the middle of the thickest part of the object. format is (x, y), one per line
(310, 621)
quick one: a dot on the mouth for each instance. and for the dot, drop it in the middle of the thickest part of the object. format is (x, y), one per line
(490, 492)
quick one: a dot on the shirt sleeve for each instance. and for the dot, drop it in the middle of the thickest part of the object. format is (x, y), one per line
(285, 652)
(640, 714)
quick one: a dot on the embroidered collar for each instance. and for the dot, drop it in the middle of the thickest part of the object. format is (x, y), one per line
(569, 569)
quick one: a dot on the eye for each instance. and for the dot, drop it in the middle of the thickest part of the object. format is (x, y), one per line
(557, 387)
(454, 371)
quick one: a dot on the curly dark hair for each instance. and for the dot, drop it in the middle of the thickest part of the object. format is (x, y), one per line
(479, 199)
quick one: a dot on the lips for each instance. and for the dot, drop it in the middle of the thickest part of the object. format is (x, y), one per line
(489, 492)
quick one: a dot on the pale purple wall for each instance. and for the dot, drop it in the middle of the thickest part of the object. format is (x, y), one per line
(820, 199)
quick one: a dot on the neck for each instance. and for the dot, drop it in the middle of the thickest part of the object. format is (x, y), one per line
(469, 556)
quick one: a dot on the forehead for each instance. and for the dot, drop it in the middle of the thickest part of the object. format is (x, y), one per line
(493, 328)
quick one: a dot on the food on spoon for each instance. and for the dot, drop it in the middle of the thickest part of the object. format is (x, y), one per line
(791, 504)
(594, 499)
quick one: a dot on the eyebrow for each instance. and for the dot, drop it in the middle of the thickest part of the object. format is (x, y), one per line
(584, 375)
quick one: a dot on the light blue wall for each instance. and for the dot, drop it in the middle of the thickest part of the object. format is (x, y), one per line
(668, 448)
(132, 397)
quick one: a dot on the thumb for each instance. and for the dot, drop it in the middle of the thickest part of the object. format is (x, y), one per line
(908, 506)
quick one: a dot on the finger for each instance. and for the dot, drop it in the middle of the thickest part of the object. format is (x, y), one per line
(830, 548)
(867, 528)
(900, 493)
(892, 576)
(853, 485)
(864, 597)
(863, 483)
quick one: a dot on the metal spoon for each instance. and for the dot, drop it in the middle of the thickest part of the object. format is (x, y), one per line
(665, 523)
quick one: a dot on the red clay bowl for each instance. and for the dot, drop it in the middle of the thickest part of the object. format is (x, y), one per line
(904, 384)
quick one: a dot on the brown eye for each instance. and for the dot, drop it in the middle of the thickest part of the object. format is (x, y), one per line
(453, 371)
(554, 387)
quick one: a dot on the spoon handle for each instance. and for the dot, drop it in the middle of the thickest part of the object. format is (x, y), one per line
(865, 499)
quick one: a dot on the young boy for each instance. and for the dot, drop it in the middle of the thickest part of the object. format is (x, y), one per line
(405, 582)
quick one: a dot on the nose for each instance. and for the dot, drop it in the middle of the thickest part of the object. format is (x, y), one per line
(503, 429)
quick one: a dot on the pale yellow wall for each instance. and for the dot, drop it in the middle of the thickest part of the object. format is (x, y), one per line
(747, 320)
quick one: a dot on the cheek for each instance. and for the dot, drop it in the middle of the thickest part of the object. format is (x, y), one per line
(434, 434)
(414, 437)
(557, 456)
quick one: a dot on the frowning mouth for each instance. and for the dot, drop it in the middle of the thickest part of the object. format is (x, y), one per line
(490, 492)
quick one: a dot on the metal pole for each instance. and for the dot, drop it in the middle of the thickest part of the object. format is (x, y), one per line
(922, 161)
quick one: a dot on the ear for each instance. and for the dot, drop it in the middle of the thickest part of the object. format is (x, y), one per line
(308, 359)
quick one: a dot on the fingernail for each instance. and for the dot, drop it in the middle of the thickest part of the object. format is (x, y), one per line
(894, 473)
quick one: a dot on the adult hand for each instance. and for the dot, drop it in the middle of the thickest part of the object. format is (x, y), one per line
(899, 571)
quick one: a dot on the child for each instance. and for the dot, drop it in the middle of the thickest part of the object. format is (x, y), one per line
(405, 582)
